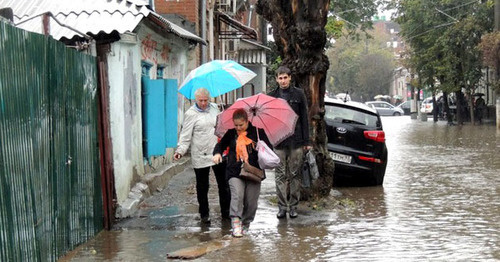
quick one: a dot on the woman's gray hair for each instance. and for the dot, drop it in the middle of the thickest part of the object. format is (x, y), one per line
(201, 91)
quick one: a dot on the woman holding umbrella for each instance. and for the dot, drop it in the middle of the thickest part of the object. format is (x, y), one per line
(197, 134)
(241, 141)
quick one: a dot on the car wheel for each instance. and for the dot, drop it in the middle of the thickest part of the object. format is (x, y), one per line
(397, 114)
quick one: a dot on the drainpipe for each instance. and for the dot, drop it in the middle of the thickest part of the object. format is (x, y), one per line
(250, 13)
(263, 31)
(203, 29)
(211, 42)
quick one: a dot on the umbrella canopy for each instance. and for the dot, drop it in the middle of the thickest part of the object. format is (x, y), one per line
(218, 76)
(382, 97)
(478, 94)
(397, 97)
(274, 115)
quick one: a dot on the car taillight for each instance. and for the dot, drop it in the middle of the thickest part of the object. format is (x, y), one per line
(378, 136)
(370, 159)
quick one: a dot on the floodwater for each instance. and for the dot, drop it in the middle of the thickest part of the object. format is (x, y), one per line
(440, 201)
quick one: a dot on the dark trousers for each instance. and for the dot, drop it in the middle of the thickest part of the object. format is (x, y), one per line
(202, 186)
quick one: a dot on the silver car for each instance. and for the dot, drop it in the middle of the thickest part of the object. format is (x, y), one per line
(385, 109)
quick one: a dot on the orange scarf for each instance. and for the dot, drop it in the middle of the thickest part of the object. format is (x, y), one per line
(241, 147)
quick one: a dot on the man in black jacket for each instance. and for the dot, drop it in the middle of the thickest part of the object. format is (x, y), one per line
(291, 150)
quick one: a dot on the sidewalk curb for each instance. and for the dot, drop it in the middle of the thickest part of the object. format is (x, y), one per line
(150, 183)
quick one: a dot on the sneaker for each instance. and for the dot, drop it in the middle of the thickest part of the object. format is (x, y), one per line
(293, 213)
(236, 225)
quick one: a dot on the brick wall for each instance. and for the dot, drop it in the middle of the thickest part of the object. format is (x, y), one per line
(186, 8)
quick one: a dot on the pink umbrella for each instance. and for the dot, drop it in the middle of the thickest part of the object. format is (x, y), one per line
(274, 115)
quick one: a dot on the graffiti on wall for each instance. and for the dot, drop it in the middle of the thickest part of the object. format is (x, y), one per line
(148, 49)
(165, 51)
(150, 53)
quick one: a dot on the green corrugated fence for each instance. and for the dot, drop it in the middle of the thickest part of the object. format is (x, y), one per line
(50, 190)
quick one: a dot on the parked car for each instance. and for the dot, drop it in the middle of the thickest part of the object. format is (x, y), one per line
(356, 143)
(385, 109)
(406, 107)
(427, 106)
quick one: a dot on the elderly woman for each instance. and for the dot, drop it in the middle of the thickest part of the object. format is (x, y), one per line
(198, 134)
(241, 141)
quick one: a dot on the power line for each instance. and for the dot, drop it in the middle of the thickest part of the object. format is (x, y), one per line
(345, 20)
(446, 14)
(451, 8)
(346, 11)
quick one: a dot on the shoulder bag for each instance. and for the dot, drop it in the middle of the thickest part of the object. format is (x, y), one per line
(251, 173)
(267, 158)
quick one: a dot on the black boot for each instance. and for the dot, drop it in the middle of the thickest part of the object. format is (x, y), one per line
(293, 212)
(281, 213)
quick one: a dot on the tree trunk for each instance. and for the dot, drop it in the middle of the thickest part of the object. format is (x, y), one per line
(299, 34)
(471, 108)
(435, 109)
(460, 107)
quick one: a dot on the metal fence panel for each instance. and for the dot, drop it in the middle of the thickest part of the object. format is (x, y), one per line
(50, 199)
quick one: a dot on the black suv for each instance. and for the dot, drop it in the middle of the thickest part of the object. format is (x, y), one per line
(356, 142)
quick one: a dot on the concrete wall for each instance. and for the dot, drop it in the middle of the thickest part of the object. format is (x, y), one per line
(125, 114)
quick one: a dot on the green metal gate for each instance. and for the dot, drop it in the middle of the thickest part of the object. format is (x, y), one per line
(50, 190)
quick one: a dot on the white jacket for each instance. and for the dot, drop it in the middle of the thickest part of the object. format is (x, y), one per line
(197, 132)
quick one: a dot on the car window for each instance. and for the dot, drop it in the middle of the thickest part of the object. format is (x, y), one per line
(350, 115)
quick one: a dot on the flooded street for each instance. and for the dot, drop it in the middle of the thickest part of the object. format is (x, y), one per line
(440, 201)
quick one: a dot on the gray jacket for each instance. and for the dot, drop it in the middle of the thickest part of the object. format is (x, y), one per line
(197, 133)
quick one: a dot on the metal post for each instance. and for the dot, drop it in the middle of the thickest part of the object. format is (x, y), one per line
(203, 29)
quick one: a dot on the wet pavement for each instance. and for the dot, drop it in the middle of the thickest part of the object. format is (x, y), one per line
(440, 201)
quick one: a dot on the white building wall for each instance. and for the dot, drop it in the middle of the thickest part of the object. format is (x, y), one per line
(125, 115)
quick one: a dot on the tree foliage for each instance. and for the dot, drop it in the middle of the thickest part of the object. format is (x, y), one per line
(362, 68)
(490, 48)
(352, 17)
(444, 36)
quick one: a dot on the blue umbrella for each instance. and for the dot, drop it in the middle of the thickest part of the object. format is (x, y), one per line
(218, 76)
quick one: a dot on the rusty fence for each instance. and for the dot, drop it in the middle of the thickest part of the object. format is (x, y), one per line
(50, 189)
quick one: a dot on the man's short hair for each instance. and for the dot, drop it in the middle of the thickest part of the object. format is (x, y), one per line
(202, 91)
(283, 70)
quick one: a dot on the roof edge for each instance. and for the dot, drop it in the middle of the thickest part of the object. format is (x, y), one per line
(175, 29)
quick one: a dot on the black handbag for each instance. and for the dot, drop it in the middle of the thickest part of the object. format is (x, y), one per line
(251, 173)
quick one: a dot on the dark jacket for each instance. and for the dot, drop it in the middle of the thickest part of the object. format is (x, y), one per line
(296, 98)
(233, 167)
